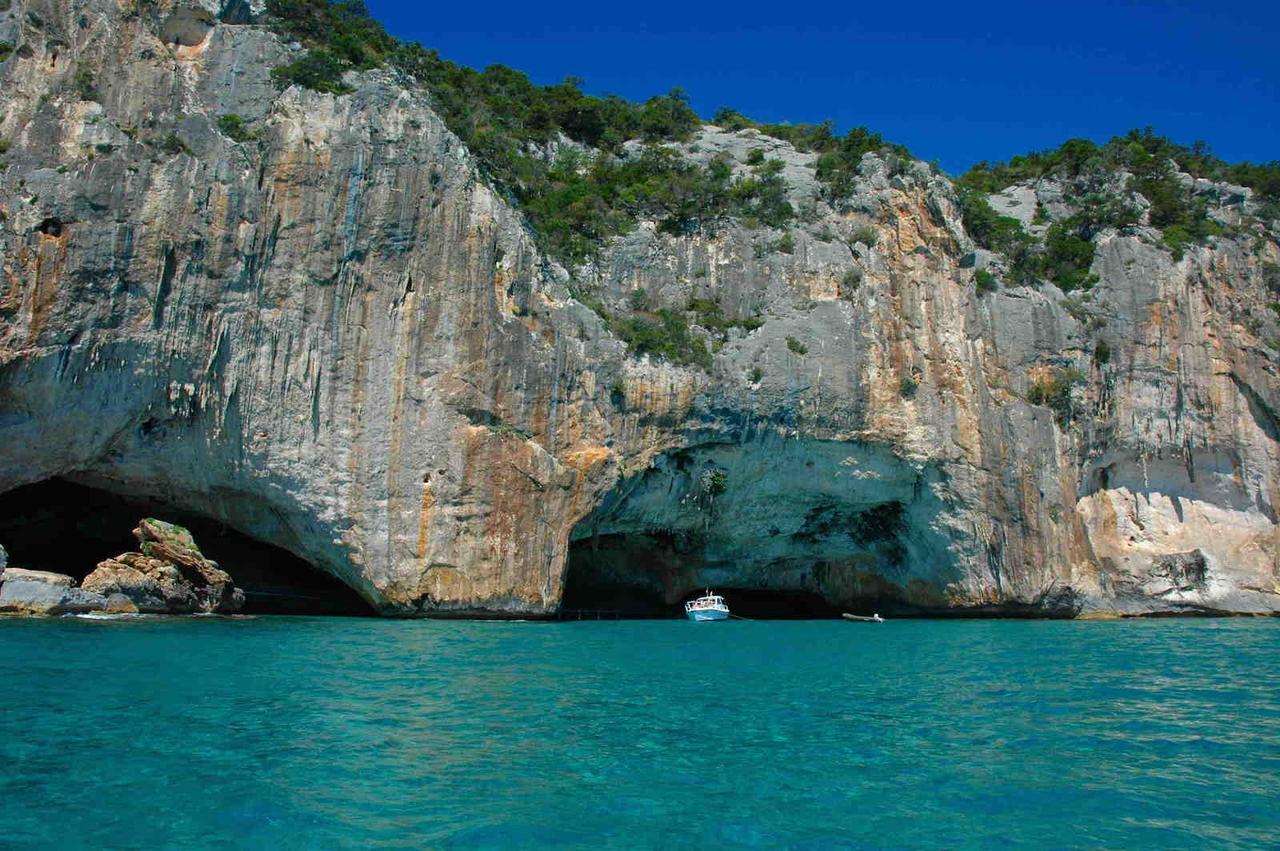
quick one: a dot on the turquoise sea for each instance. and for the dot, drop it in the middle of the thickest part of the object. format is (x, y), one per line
(330, 732)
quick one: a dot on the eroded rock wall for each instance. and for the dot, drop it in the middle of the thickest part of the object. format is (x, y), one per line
(336, 337)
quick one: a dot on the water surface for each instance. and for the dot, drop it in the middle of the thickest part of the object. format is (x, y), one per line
(297, 732)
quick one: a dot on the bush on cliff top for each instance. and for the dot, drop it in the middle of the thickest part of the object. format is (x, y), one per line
(1181, 216)
(509, 123)
(838, 156)
(1132, 152)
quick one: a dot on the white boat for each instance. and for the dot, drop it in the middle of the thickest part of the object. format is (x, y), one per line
(708, 607)
(873, 619)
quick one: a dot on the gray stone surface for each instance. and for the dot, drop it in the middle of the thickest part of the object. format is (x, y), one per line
(33, 592)
(339, 340)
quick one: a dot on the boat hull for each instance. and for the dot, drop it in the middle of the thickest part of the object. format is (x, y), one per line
(707, 615)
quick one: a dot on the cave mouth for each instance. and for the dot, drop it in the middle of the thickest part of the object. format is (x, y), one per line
(64, 527)
(638, 577)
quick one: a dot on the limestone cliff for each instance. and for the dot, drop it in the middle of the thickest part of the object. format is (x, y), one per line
(332, 334)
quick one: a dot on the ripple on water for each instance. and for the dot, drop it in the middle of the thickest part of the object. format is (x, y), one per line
(315, 732)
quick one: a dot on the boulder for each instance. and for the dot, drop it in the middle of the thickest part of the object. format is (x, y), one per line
(169, 576)
(18, 574)
(1180, 573)
(35, 592)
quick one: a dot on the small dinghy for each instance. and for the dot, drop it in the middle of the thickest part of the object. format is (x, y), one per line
(863, 618)
(708, 607)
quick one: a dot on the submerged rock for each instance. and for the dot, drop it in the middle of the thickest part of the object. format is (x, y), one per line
(35, 592)
(170, 576)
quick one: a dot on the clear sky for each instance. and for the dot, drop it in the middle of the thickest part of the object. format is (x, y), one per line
(956, 82)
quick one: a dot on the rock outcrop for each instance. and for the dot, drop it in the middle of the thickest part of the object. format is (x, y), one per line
(336, 337)
(36, 592)
(169, 576)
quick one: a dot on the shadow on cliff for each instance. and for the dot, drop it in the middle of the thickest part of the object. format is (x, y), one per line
(784, 528)
(64, 527)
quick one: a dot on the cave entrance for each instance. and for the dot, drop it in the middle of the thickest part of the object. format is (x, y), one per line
(64, 527)
(645, 576)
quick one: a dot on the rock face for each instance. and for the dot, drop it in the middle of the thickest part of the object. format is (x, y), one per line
(35, 592)
(337, 338)
(169, 576)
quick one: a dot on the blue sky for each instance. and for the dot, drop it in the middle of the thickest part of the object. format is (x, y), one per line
(956, 82)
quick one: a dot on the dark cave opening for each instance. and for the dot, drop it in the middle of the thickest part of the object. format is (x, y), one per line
(64, 527)
(640, 576)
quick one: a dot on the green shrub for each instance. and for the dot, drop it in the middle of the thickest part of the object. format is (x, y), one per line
(1054, 393)
(762, 197)
(756, 374)
(797, 347)
(1069, 160)
(840, 158)
(1183, 218)
(503, 118)
(984, 282)
(235, 128)
(709, 315)
(505, 430)
(989, 229)
(755, 157)
(786, 244)
(714, 482)
(770, 167)
(1102, 353)
(864, 234)
(343, 30)
(850, 281)
(639, 299)
(173, 144)
(5, 145)
(665, 336)
(82, 83)
(318, 69)
(6, 50)
(1068, 257)
(1271, 277)
(907, 387)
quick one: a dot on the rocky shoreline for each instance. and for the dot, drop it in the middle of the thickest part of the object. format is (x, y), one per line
(169, 575)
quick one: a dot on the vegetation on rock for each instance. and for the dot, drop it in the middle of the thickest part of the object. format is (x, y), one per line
(984, 282)
(236, 128)
(1135, 152)
(1151, 163)
(839, 157)
(665, 334)
(575, 195)
(1054, 392)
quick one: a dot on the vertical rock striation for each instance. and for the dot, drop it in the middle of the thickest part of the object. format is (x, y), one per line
(335, 336)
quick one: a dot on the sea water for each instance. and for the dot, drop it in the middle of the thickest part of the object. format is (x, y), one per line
(327, 733)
